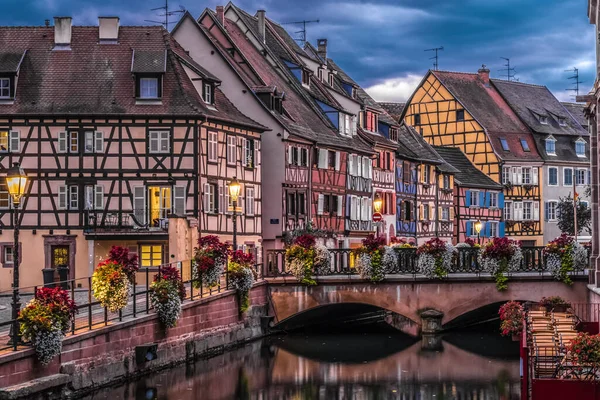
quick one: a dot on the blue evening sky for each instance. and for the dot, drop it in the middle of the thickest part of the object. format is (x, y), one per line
(381, 43)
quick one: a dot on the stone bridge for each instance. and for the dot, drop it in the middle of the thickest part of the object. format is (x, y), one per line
(455, 297)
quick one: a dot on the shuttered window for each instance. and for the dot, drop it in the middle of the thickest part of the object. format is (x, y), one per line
(94, 142)
(231, 150)
(179, 199)
(159, 142)
(212, 146)
(139, 204)
(94, 197)
(250, 201)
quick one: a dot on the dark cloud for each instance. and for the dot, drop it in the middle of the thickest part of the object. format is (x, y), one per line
(381, 42)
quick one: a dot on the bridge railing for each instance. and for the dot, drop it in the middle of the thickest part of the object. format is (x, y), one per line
(466, 261)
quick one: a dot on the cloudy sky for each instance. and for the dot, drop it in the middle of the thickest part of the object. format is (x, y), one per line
(381, 43)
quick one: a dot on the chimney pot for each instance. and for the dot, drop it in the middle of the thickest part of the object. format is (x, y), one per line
(62, 33)
(484, 75)
(221, 15)
(261, 24)
(322, 48)
(108, 29)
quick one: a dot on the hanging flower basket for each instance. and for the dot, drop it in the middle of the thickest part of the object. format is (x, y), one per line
(435, 258)
(110, 285)
(167, 292)
(129, 263)
(209, 261)
(241, 276)
(500, 256)
(304, 257)
(44, 321)
(369, 258)
(511, 317)
(563, 256)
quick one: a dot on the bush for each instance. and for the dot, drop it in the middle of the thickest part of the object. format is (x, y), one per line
(369, 258)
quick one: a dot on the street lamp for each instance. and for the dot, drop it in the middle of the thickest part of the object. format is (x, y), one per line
(234, 193)
(16, 182)
(377, 203)
(478, 226)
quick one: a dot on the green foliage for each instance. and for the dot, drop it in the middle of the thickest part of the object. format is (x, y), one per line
(500, 275)
(566, 220)
(300, 263)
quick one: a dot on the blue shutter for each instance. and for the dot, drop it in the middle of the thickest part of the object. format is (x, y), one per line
(469, 227)
(482, 199)
(487, 199)
(467, 198)
(501, 229)
(488, 229)
(501, 200)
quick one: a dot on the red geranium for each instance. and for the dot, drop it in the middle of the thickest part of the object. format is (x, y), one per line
(559, 245)
(499, 248)
(307, 241)
(171, 273)
(120, 255)
(373, 243)
(511, 315)
(242, 258)
(435, 247)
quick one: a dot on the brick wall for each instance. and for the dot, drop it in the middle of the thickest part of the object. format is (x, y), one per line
(107, 354)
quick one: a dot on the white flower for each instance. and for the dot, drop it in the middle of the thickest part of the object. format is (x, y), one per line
(514, 264)
(553, 263)
(296, 267)
(426, 265)
(363, 266)
(168, 311)
(48, 344)
(243, 281)
(322, 264)
(390, 259)
(580, 257)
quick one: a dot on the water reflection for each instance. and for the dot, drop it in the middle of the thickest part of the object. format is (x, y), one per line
(343, 367)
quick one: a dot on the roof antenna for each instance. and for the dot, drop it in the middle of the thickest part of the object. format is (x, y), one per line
(302, 31)
(47, 23)
(577, 81)
(509, 71)
(435, 58)
(166, 14)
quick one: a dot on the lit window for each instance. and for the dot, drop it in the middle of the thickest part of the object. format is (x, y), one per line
(460, 115)
(4, 88)
(149, 88)
(504, 144)
(151, 255)
(552, 176)
(525, 145)
(543, 120)
(580, 148)
(551, 146)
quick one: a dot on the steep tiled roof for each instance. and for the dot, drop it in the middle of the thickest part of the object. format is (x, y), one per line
(576, 110)
(466, 173)
(532, 101)
(564, 147)
(393, 109)
(412, 146)
(490, 109)
(96, 79)
(11, 60)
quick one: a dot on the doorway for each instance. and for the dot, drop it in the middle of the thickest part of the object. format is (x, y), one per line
(159, 201)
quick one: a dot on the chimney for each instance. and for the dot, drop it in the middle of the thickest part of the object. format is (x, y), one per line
(62, 33)
(484, 75)
(108, 29)
(261, 24)
(221, 15)
(322, 48)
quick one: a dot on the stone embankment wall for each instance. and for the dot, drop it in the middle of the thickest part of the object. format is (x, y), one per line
(107, 355)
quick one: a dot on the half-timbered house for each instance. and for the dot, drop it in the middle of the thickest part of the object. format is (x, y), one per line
(110, 124)
(466, 111)
(477, 198)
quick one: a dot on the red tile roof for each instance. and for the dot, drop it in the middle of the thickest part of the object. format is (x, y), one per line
(97, 79)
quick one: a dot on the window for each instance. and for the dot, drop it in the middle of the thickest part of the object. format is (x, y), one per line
(330, 80)
(580, 177)
(5, 88)
(551, 147)
(8, 255)
(473, 200)
(551, 210)
(305, 77)
(426, 174)
(207, 94)
(345, 124)
(505, 175)
(460, 115)
(504, 144)
(426, 212)
(159, 142)
(231, 150)
(10, 141)
(580, 148)
(417, 119)
(68, 197)
(493, 202)
(568, 176)
(94, 142)
(493, 229)
(331, 159)
(508, 214)
(249, 153)
(562, 121)
(149, 88)
(210, 199)
(445, 213)
(527, 210)
(212, 146)
(553, 176)
(249, 201)
(394, 134)
(543, 120)
(525, 145)
(151, 255)
(446, 181)
(68, 142)
(290, 204)
(320, 74)
(407, 210)
(371, 121)
(301, 204)
(5, 199)
(94, 197)
(526, 176)
(304, 157)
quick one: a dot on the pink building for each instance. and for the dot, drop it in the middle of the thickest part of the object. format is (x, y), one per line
(126, 140)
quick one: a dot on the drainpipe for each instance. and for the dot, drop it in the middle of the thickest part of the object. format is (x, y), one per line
(437, 202)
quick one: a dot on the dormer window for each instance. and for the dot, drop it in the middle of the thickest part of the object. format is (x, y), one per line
(148, 68)
(207, 93)
(562, 121)
(149, 88)
(543, 119)
(550, 146)
(5, 88)
(331, 80)
(371, 121)
(305, 77)
(580, 148)
(320, 74)
(394, 134)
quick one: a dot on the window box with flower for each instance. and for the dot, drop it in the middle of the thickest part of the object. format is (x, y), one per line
(210, 259)
(500, 256)
(305, 257)
(374, 258)
(435, 258)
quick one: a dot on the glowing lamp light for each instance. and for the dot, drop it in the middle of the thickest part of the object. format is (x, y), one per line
(478, 226)
(377, 203)
(234, 189)
(16, 182)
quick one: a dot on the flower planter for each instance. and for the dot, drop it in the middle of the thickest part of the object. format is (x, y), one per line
(561, 308)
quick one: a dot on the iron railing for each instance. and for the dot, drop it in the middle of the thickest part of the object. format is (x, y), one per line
(91, 315)
(466, 261)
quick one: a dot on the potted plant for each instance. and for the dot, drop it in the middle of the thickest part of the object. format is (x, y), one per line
(44, 321)
(511, 317)
(210, 259)
(499, 256)
(435, 258)
(167, 292)
(555, 303)
(110, 285)
(584, 350)
(564, 255)
(241, 276)
(369, 258)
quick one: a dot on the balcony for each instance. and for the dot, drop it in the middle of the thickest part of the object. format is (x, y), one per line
(124, 224)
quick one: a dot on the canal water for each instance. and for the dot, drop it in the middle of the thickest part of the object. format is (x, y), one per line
(372, 362)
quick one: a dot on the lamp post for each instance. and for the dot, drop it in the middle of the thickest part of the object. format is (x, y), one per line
(16, 182)
(234, 193)
(377, 204)
(478, 226)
